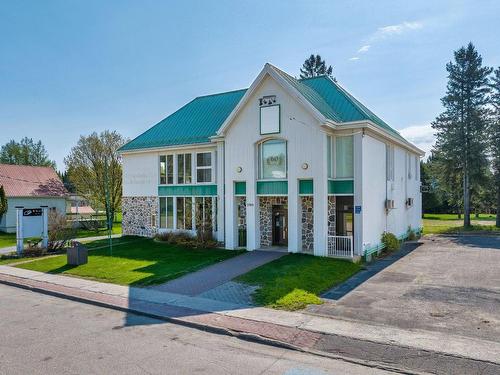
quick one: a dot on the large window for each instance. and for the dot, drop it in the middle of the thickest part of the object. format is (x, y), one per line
(340, 156)
(163, 169)
(184, 213)
(273, 159)
(167, 212)
(344, 157)
(204, 219)
(204, 167)
(184, 168)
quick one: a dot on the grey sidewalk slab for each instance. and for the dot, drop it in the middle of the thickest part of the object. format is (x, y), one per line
(212, 276)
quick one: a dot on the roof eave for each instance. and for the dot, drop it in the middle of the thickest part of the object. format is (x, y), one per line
(367, 124)
(161, 148)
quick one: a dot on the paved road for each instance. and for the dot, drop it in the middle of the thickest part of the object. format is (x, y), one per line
(41, 334)
(449, 284)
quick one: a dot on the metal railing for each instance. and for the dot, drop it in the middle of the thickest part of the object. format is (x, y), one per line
(340, 247)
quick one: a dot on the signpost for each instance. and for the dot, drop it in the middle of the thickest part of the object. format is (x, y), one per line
(31, 222)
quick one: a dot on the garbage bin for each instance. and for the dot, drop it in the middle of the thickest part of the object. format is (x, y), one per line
(77, 254)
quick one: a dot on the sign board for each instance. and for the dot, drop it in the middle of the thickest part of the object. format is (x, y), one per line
(357, 209)
(32, 212)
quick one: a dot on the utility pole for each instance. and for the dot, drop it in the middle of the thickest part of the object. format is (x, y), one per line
(108, 205)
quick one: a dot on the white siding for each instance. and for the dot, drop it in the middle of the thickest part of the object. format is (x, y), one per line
(306, 144)
(8, 222)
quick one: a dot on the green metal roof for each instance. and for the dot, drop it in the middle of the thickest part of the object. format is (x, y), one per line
(201, 118)
(194, 123)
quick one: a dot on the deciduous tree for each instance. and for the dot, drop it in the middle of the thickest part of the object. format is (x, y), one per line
(25, 152)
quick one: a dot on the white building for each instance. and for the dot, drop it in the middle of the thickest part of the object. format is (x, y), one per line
(292, 163)
(30, 187)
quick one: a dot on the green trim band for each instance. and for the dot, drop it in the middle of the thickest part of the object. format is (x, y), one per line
(340, 187)
(306, 187)
(272, 187)
(187, 190)
(240, 188)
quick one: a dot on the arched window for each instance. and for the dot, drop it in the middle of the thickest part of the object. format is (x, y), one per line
(272, 159)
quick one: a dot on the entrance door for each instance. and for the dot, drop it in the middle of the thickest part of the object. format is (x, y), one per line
(344, 216)
(280, 226)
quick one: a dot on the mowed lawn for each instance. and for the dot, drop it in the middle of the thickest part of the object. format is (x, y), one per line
(7, 239)
(296, 280)
(450, 223)
(134, 261)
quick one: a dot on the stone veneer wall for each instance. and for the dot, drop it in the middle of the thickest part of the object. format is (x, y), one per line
(266, 218)
(138, 215)
(307, 204)
(331, 216)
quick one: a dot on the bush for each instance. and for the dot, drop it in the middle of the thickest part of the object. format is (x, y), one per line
(59, 231)
(390, 241)
(411, 234)
(186, 239)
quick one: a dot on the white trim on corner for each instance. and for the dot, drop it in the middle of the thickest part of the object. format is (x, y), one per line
(377, 130)
(271, 71)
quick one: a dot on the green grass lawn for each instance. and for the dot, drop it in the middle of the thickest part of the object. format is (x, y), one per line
(135, 261)
(449, 223)
(7, 239)
(296, 280)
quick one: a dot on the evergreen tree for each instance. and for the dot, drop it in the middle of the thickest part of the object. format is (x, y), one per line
(315, 66)
(25, 152)
(3, 202)
(495, 137)
(461, 129)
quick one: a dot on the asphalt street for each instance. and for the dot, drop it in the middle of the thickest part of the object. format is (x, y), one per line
(41, 334)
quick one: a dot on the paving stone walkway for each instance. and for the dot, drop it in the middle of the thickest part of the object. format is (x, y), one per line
(232, 292)
(215, 275)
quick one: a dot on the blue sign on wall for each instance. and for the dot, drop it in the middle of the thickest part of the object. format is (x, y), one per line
(357, 209)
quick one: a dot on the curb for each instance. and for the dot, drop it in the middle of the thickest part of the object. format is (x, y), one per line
(310, 339)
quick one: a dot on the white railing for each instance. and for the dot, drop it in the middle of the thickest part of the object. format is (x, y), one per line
(340, 246)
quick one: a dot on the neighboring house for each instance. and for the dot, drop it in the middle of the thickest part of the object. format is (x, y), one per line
(79, 206)
(30, 187)
(295, 163)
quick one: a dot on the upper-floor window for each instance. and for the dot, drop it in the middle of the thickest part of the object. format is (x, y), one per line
(204, 167)
(166, 169)
(416, 167)
(340, 155)
(184, 169)
(273, 159)
(389, 162)
(408, 157)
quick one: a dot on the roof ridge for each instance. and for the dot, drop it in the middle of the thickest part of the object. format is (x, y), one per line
(220, 93)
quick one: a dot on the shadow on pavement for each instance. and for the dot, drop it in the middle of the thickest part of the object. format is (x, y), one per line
(478, 241)
(370, 270)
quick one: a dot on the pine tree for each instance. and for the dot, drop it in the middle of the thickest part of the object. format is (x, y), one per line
(495, 136)
(461, 145)
(3, 202)
(315, 66)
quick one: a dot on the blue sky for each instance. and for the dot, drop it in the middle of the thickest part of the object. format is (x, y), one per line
(72, 67)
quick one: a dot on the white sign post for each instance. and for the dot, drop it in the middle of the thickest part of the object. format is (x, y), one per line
(19, 230)
(45, 225)
(31, 222)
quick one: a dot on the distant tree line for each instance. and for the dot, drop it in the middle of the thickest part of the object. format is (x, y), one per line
(462, 174)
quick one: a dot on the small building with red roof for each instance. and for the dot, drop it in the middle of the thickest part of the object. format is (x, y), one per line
(30, 187)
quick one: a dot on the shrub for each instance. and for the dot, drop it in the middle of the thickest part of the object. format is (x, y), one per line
(59, 231)
(186, 239)
(411, 234)
(390, 241)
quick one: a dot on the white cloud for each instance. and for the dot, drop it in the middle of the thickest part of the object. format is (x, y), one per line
(390, 30)
(364, 48)
(421, 136)
(353, 58)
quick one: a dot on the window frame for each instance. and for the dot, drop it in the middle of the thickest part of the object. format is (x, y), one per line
(389, 162)
(279, 119)
(260, 171)
(211, 167)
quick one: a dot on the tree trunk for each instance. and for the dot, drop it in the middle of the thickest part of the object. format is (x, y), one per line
(466, 198)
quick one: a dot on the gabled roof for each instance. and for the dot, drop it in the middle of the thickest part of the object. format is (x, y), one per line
(28, 181)
(203, 117)
(194, 123)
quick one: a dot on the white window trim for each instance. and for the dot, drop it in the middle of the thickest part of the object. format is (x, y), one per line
(333, 149)
(260, 170)
(211, 167)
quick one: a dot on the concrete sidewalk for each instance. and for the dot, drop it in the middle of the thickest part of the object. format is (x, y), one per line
(210, 277)
(360, 342)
